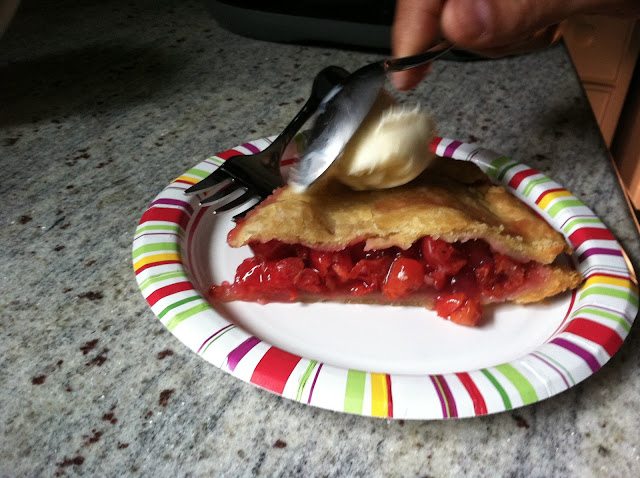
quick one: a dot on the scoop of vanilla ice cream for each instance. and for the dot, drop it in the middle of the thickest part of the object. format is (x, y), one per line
(390, 148)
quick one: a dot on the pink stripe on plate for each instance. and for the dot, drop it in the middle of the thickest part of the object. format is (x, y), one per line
(598, 250)
(174, 202)
(553, 367)
(237, 354)
(313, 385)
(212, 336)
(591, 361)
(448, 152)
(251, 147)
(453, 410)
(443, 403)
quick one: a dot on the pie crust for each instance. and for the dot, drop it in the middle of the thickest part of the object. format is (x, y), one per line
(448, 240)
(451, 200)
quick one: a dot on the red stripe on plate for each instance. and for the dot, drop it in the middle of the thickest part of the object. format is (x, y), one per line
(521, 176)
(548, 191)
(389, 398)
(154, 264)
(479, 405)
(603, 274)
(228, 153)
(166, 214)
(590, 233)
(607, 338)
(168, 290)
(274, 369)
(433, 145)
(184, 181)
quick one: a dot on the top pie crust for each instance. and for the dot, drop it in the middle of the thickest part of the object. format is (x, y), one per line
(451, 200)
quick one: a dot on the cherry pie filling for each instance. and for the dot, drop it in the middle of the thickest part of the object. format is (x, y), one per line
(459, 276)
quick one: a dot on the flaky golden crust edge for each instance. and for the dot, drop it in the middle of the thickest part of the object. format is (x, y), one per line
(323, 222)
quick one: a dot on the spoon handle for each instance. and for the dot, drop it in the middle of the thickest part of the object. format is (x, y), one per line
(408, 62)
(324, 82)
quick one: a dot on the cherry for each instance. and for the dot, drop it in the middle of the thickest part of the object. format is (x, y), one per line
(464, 273)
(405, 276)
(459, 308)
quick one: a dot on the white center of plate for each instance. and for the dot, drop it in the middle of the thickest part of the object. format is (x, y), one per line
(384, 339)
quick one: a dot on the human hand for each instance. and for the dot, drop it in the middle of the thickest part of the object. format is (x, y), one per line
(490, 28)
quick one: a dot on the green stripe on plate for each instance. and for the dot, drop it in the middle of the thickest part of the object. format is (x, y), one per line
(501, 391)
(559, 365)
(507, 169)
(524, 387)
(216, 338)
(184, 315)
(163, 227)
(576, 222)
(445, 400)
(354, 394)
(160, 277)
(177, 304)
(305, 378)
(560, 205)
(198, 172)
(607, 315)
(611, 292)
(156, 246)
(533, 184)
(496, 164)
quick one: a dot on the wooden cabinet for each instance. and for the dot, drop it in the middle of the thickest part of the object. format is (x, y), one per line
(605, 53)
(626, 144)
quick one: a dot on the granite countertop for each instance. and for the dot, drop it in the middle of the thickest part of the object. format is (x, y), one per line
(104, 103)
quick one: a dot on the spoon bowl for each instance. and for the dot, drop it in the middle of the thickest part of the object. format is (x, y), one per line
(343, 110)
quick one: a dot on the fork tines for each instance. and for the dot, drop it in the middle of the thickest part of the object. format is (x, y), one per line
(226, 188)
(226, 193)
(216, 178)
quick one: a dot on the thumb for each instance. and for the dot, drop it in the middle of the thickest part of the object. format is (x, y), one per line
(482, 24)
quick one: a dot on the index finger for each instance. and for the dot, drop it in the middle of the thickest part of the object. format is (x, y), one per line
(415, 28)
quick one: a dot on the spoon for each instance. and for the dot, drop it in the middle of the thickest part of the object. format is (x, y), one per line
(259, 174)
(343, 110)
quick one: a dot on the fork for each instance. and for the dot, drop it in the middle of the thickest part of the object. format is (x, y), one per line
(257, 175)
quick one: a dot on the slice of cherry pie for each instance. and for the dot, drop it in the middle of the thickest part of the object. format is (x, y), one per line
(448, 240)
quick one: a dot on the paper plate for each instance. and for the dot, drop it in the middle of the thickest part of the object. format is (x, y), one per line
(384, 361)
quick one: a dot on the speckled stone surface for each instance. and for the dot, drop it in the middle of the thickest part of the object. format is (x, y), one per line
(101, 105)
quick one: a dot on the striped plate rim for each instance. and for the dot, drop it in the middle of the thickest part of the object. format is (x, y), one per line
(599, 319)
